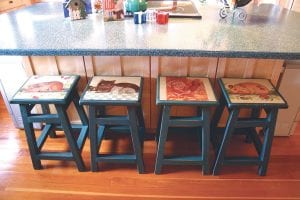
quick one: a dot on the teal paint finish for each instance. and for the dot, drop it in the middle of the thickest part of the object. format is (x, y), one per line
(201, 122)
(59, 121)
(99, 123)
(236, 125)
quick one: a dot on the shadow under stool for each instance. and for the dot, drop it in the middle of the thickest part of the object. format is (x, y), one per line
(61, 92)
(105, 91)
(184, 91)
(255, 95)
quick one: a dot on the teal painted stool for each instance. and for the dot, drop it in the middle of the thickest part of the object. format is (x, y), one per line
(115, 91)
(184, 91)
(59, 91)
(256, 95)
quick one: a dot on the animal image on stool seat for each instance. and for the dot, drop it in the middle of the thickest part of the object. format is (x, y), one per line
(45, 87)
(52, 86)
(251, 91)
(113, 88)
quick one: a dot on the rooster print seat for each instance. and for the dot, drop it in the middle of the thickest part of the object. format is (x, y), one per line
(185, 89)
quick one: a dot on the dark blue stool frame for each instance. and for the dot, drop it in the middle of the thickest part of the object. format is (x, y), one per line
(248, 127)
(165, 121)
(134, 120)
(59, 121)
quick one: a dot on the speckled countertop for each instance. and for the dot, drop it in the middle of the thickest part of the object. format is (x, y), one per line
(41, 29)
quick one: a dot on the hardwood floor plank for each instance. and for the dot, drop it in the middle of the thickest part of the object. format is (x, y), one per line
(13, 195)
(61, 180)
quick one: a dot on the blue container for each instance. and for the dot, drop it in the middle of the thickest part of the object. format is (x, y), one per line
(139, 17)
(88, 7)
(66, 11)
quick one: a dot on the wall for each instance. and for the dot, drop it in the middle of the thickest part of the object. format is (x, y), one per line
(288, 119)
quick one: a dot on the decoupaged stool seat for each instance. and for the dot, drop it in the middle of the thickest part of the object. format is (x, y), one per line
(105, 91)
(255, 95)
(184, 91)
(59, 91)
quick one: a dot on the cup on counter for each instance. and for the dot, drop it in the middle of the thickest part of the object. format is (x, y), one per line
(151, 15)
(162, 17)
(139, 17)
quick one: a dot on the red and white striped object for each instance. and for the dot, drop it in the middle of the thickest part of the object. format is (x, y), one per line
(108, 4)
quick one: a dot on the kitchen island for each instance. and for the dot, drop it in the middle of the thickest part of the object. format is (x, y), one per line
(268, 32)
(210, 47)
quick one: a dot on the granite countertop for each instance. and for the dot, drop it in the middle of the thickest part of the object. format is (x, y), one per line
(41, 29)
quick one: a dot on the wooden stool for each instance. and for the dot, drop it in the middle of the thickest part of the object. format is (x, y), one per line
(183, 91)
(115, 91)
(60, 91)
(254, 94)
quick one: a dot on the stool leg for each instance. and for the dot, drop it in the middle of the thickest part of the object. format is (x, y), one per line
(267, 110)
(267, 144)
(70, 137)
(250, 136)
(158, 124)
(79, 108)
(205, 141)
(162, 138)
(141, 125)
(30, 137)
(46, 110)
(200, 128)
(214, 123)
(93, 138)
(218, 113)
(135, 137)
(252, 133)
(100, 112)
(227, 134)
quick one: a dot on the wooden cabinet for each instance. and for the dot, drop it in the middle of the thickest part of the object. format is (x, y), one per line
(150, 68)
(6, 5)
(10, 82)
(55, 65)
(288, 119)
(250, 68)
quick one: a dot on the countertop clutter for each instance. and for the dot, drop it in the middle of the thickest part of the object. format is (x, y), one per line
(268, 32)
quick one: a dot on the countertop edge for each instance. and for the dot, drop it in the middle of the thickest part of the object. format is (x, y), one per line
(147, 52)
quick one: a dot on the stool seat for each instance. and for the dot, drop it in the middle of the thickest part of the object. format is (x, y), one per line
(251, 92)
(46, 89)
(255, 95)
(113, 90)
(61, 92)
(105, 91)
(184, 91)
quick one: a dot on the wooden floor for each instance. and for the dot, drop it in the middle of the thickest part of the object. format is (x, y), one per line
(61, 180)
